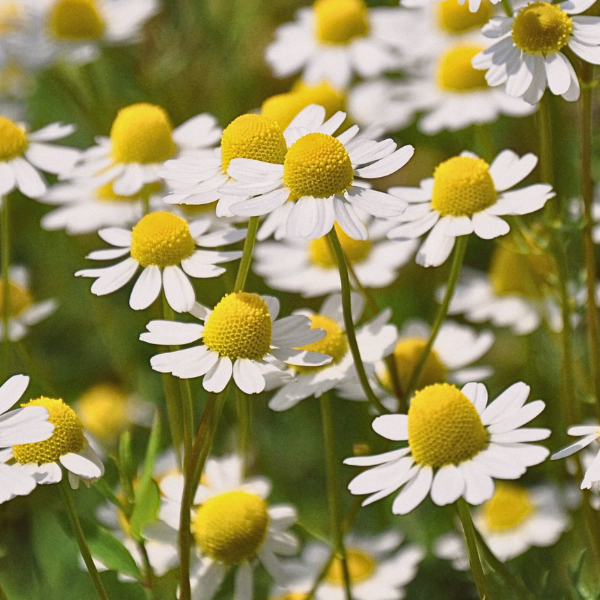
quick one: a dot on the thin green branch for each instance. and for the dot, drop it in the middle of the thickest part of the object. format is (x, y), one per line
(244, 268)
(5, 266)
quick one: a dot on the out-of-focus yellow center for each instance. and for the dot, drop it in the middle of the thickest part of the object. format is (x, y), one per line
(540, 28)
(444, 427)
(292, 596)
(334, 342)
(340, 21)
(455, 72)
(255, 137)
(103, 411)
(407, 354)
(76, 20)
(141, 133)
(19, 299)
(67, 436)
(105, 193)
(354, 250)
(457, 18)
(239, 327)
(11, 14)
(462, 186)
(13, 141)
(231, 527)
(509, 506)
(360, 566)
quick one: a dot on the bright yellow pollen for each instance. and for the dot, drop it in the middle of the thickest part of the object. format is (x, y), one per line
(317, 165)
(13, 141)
(407, 354)
(76, 20)
(360, 566)
(255, 137)
(19, 299)
(509, 506)
(457, 18)
(141, 133)
(354, 250)
(334, 342)
(67, 436)
(462, 186)
(105, 193)
(162, 239)
(239, 327)
(455, 72)
(541, 27)
(444, 427)
(340, 21)
(103, 411)
(231, 527)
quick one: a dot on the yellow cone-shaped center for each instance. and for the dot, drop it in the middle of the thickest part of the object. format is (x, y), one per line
(457, 18)
(455, 72)
(13, 141)
(76, 20)
(19, 299)
(354, 250)
(103, 411)
(231, 527)
(407, 354)
(340, 21)
(508, 508)
(540, 28)
(334, 343)
(360, 566)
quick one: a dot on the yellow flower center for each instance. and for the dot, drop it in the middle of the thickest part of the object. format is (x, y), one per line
(360, 566)
(509, 506)
(67, 437)
(340, 21)
(162, 239)
(462, 186)
(105, 193)
(541, 27)
(239, 327)
(317, 165)
(455, 71)
(334, 342)
(19, 299)
(13, 141)
(457, 18)
(76, 20)
(444, 427)
(231, 527)
(354, 250)
(141, 133)
(10, 17)
(103, 411)
(255, 137)
(407, 354)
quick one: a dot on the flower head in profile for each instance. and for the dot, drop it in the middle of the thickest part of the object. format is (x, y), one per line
(457, 444)
(587, 435)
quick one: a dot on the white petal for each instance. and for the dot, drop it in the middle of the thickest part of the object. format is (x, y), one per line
(414, 492)
(392, 427)
(557, 72)
(12, 389)
(448, 485)
(146, 288)
(81, 465)
(247, 376)
(388, 165)
(29, 181)
(244, 582)
(218, 377)
(171, 333)
(488, 226)
(178, 289)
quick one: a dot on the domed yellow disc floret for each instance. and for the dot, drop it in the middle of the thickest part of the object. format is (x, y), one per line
(19, 299)
(231, 527)
(457, 18)
(444, 427)
(13, 141)
(323, 95)
(255, 137)
(141, 133)
(162, 239)
(105, 193)
(509, 506)
(541, 27)
(360, 566)
(455, 71)
(340, 21)
(239, 327)
(103, 411)
(462, 186)
(67, 436)
(334, 343)
(317, 165)
(282, 108)
(76, 20)
(354, 250)
(407, 354)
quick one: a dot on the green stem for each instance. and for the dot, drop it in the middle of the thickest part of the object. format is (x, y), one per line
(544, 122)
(242, 274)
(476, 568)
(3, 595)
(5, 249)
(336, 248)
(333, 491)
(149, 576)
(244, 427)
(442, 313)
(78, 531)
(506, 5)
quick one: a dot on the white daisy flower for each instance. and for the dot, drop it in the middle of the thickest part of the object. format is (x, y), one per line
(23, 310)
(456, 445)
(308, 267)
(527, 56)
(24, 154)
(241, 337)
(335, 39)
(318, 175)
(165, 246)
(513, 520)
(141, 140)
(375, 339)
(474, 5)
(463, 197)
(588, 433)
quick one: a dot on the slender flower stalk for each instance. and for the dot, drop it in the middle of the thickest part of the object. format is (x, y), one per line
(3, 595)
(5, 266)
(244, 268)
(508, 9)
(244, 427)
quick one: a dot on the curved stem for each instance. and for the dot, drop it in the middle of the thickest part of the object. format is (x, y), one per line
(244, 268)
(5, 249)
(442, 313)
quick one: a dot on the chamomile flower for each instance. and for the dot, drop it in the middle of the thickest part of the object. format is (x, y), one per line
(317, 178)
(474, 5)
(588, 434)
(375, 339)
(23, 310)
(528, 55)
(165, 246)
(456, 445)
(141, 140)
(463, 197)
(241, 337)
